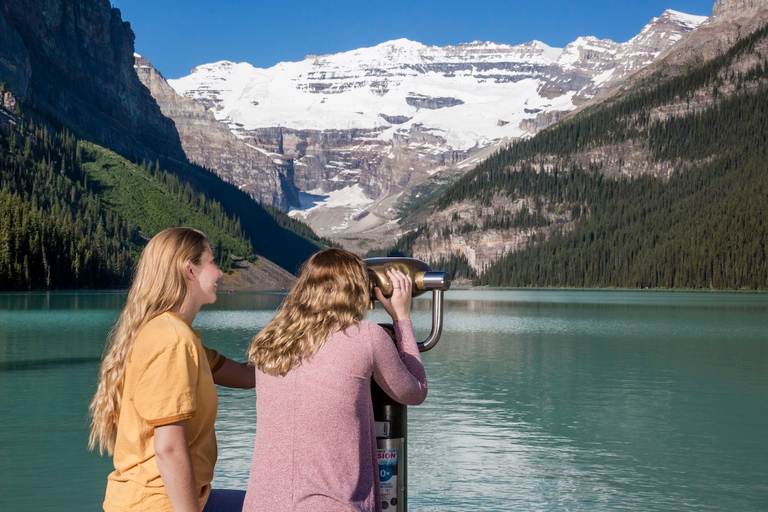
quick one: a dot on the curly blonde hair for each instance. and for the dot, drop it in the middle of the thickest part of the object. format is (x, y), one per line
(330, 295)
(159, 285)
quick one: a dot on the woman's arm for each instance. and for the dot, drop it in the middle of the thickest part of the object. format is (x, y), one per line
(175, 465)
(232, 374)
(399, 370)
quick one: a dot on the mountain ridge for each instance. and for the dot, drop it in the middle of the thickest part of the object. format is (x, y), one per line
(374, 124)
(229, 89)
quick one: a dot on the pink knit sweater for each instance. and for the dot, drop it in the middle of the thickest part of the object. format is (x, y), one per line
(315, 440)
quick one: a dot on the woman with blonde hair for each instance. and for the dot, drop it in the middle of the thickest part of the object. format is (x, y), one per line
(155, 406)
(315, 444)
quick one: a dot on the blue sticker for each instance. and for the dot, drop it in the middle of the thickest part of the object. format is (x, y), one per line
(385, 473)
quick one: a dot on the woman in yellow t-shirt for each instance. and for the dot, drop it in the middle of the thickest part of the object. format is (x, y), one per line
(155, 407)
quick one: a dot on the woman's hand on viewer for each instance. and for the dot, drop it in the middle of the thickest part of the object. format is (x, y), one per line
(399, 304)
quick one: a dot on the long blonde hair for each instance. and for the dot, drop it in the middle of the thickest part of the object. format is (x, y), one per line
(330, 295)
(159, 285)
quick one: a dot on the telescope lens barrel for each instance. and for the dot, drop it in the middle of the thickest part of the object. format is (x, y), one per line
(433, 280)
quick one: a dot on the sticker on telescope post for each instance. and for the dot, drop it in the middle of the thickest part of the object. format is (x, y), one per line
(387, 477)
(382, 428)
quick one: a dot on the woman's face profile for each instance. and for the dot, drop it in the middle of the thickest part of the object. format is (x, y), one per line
(206, 276)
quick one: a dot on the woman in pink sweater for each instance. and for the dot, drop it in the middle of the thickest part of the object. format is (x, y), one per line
(315, 439)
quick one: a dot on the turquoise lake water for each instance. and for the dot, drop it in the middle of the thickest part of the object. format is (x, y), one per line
(539, 400)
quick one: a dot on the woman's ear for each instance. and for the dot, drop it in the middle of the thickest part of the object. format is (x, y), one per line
(189, 271)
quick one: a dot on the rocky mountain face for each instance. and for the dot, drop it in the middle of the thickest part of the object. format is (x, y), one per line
(734, 8)
(264, 175)
(71, 64)
(364, 129)
(74, 59)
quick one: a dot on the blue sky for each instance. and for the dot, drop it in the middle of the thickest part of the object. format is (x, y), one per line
(178, 35)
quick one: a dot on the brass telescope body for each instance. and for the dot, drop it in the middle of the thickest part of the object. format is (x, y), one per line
(424, 279)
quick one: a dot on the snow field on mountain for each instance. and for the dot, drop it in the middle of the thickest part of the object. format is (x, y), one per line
(363, 85)
(498, 84)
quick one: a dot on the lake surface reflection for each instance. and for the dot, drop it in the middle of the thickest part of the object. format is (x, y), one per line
(539, 400)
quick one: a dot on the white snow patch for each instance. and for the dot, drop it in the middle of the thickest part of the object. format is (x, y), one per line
(260, 150)
(315, 199)
(689, 20)
(603, 77)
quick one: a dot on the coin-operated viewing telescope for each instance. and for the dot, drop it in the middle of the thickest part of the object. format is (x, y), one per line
(424, 279)
(391, 416)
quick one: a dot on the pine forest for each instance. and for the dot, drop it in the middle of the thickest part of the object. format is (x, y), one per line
(704, 226)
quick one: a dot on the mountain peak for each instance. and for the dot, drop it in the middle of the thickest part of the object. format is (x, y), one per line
(220, 68)
(690, 21)
(403, 41)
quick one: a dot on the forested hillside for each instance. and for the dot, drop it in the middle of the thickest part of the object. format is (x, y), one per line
(76, 215)
(53, 231)
(689, 211)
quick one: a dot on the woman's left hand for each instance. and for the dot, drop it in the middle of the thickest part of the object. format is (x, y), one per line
(235, 375)
(399, 304)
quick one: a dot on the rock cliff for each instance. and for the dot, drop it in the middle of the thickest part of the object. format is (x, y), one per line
(74, 59)
(265, 176)
(734, 8)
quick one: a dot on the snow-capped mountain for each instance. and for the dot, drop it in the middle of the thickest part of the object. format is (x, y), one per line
(456, 91)
(461, 92)
(372, 123)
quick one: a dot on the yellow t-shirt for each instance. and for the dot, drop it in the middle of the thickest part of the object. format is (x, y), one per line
(168, 378)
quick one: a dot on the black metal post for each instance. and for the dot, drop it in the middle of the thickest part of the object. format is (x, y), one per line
(390, 416)
(391, 446)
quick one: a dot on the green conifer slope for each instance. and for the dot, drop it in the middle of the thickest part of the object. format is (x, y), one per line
(76, 215)
(703, 226)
